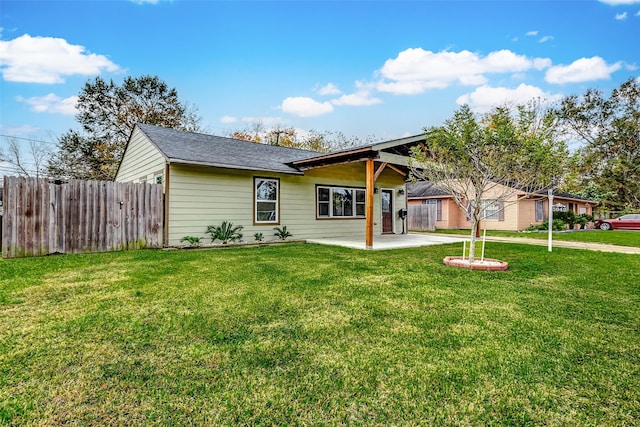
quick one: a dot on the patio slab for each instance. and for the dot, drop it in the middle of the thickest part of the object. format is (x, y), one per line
(389, 241)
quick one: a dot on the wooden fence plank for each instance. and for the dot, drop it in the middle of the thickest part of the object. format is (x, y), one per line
(421, 217)
(42, 217)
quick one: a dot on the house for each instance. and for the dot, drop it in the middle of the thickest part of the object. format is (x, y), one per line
(209, 179)
(517, 212)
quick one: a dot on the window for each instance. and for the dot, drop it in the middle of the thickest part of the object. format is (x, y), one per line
(339, 202)
(266, 207)
(539, 210)
(438, 204)
(492, 210)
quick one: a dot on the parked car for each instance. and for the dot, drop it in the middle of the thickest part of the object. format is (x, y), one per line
(628, 222)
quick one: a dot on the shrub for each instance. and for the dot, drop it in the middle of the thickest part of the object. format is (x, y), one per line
(225, 232)
(193, 240)
(282, 233)
(558, 225)
(258, 236)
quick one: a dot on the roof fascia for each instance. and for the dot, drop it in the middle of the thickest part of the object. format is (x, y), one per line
(396, 142)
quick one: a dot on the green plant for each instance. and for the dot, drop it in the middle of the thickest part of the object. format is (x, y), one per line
(282, 233)
(558, 225)
(225, 232)
(193, 240)
(583, 219)
(258, 236)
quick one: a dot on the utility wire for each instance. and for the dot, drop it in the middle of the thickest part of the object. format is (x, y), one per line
(26, 139)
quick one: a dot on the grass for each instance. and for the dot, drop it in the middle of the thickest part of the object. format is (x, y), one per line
(612, 237)
(317, 335)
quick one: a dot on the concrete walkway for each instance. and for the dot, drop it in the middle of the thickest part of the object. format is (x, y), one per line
(413, 240)
(602, 247)
(390, 241)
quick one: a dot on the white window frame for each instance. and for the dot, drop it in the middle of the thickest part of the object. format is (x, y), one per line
(276, 212)
(540, 211)
(490, 209)
(330, 203)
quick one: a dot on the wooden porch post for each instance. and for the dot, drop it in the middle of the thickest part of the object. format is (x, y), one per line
(369, 203)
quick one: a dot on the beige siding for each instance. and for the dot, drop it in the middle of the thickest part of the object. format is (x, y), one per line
(201, 196)
(142, 160)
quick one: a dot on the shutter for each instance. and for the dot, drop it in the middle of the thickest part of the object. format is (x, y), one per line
(500, 210)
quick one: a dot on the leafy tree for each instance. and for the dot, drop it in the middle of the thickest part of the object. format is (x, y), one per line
(484, 161)
(107, 114)
(610, 129)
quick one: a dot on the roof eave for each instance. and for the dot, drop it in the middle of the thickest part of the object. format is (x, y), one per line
(228, 166)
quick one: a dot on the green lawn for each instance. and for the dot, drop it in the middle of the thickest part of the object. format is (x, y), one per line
(613, 237)
(318, 335)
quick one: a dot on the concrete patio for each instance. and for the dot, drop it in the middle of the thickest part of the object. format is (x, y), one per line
(390, 241)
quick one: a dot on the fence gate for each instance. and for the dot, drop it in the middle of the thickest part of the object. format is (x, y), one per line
(421, 217)
(42, 217)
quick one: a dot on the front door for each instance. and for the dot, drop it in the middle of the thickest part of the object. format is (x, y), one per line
(387, 211)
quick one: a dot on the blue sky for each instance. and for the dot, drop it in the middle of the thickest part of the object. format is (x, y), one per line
(386, 69)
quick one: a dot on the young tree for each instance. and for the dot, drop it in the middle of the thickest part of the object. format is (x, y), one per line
(484, 161)
(610, 127)
(107, 113)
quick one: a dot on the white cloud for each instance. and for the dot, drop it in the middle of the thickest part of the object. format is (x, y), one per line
(545, 39)
(486, 97)
(329, 89)
(581, 70)
(361, 98)
(48, 60)
(531, 33)
(621, 16)
(51, 103)
(305, 107)
(228, 119)
(415, 70)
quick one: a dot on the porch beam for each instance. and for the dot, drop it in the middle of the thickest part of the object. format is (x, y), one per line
(394, 158)
(379, 171)
(370, 181)
(400, 171)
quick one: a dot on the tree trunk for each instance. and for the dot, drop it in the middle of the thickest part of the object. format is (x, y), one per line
(474, 228)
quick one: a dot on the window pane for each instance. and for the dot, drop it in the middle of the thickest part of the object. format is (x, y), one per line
(360, 209)
(323, 209)
(489, 209)
(360, 196)
(342, 202)
(266, 211)
(323, 194)
(267, 190)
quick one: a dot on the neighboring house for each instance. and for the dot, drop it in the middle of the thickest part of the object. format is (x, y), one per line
(209, 179)
(517, 212)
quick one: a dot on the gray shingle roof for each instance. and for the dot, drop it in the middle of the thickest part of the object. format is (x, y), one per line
(424, 189)
(209, 150)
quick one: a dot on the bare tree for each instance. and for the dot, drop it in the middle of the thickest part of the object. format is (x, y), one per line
(30, 159)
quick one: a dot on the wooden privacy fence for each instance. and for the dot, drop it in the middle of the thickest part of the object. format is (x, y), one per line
(42, 217)
(421, 217)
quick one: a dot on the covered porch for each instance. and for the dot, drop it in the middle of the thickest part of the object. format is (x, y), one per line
(393, 155)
